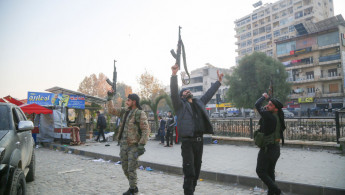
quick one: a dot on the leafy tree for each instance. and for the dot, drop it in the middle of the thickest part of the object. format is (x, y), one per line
(150, 87)
(252, 77)
(153, 104)
(95, 86)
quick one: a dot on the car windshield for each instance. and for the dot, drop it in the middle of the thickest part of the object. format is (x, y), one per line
(4, 120)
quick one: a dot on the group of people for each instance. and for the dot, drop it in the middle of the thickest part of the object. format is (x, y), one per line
(192, 122)
(166, 130)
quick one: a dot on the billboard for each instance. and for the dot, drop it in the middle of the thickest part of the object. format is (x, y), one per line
(51, 99)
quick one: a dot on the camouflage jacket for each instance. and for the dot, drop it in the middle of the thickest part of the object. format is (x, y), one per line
(134, 135)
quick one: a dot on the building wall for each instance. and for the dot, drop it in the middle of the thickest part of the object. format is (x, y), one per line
(317, 75)
(275, 21)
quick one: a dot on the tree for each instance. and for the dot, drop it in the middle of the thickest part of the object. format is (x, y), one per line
(252, 77)
(153, 104)
(94, 86)
(150, 87)
(122, 92)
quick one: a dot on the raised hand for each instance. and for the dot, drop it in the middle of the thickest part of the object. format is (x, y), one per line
(174, 69)
(220, 76)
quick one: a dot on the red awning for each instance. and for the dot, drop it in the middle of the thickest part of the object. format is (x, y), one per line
(34, 108)
(13, 100)
(2, 100)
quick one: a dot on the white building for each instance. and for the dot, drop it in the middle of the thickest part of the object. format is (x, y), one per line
(271, 22)
(201, 80)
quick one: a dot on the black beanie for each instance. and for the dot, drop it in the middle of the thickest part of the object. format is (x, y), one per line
(277, 103)
(182, 90)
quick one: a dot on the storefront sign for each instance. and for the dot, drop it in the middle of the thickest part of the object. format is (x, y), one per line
(300, 51)
(51, 99)
(305, 100)
(223, 105)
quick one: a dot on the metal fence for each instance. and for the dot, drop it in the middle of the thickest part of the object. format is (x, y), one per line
(304, 128)
(310, 129)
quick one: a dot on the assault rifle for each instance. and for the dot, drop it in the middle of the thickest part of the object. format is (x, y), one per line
(113, 84)
(177, 56)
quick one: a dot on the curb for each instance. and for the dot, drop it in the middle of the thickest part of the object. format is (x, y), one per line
(285, 186)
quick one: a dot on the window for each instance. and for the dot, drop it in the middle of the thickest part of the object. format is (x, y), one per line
(256, 40)
(310, 75)
(249, 42)
(299, 14)
(243, 44)
(249, 50)
(262, 46)
(261, 30)
(256, 48)
(285, 48)
(262, 38)
(333, 88)
(291, 28)
(5, 121)
(269, 53)
(255, 32)
(310, 89)
(269, 36)
(243, 51)
(268, 28)
(332, 72)
(276, 33)
(254, 16)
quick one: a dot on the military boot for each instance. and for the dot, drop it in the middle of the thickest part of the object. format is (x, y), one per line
(131, 191)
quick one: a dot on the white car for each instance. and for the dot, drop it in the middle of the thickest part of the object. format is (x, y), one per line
(288, 114)
(215, 115)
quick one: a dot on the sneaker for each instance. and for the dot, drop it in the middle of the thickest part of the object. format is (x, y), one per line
(131, 191)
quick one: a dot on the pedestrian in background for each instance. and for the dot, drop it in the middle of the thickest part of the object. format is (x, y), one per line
(170, 126)
(272, 124)
(101, 125)
(192, 123)
(161, 131)
(133, 135)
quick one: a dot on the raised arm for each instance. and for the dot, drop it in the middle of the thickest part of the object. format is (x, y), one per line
(175, 97)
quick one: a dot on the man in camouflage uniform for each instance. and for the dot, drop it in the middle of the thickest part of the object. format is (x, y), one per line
(133, 135)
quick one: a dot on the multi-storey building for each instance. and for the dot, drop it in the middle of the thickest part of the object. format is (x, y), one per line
(275, 21)
(314, 60)
(201, 80)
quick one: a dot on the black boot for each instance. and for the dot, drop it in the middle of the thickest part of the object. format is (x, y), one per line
(131, 191)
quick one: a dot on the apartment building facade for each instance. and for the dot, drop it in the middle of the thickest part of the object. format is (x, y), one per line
(275, 21)
(201, 80)
(314, 61)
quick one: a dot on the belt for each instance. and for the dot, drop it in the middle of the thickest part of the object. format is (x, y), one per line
(197, 139)
(277, 140)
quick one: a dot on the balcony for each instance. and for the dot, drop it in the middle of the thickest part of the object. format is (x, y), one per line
(303, 79)
(330, 62)
(328, 95)
(329, 78)
(327, 46)
(298, 66)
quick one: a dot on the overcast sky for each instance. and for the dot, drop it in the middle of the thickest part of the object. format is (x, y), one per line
(47, 43)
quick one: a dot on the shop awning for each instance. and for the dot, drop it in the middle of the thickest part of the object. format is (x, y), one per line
(13, 100)
(35, 108)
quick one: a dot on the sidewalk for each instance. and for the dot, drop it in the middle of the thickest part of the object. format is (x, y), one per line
(298, 170)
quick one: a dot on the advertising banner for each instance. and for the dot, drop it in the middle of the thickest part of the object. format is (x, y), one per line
(51, 99)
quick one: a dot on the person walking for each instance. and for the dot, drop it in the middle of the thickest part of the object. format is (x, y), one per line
(272, 124)
(101, 125)
(170, 126)
(161, 131)
(192, 123)
(133, 135)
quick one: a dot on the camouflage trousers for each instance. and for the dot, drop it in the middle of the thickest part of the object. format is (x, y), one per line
(129, 161)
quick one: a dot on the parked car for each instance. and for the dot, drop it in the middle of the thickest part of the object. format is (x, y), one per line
(17, 157)
(288, 114)
(215, 115)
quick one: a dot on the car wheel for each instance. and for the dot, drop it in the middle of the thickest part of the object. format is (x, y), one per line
(18, 183)
(32, 168)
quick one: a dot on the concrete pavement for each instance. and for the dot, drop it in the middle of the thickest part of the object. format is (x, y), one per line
(299, 170)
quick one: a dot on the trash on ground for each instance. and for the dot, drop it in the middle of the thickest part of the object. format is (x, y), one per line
(149, 169)
(70, 171)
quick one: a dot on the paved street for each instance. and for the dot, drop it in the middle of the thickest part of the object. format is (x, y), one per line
(62, 173)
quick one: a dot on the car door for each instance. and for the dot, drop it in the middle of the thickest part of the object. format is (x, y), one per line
(22, 143)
